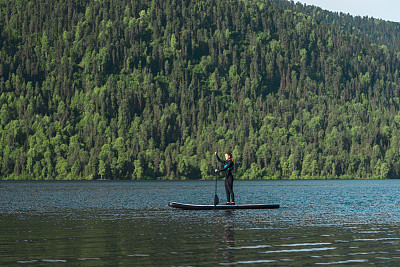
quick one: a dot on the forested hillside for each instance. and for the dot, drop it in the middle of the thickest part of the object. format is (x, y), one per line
(375, 30)
(151, 88)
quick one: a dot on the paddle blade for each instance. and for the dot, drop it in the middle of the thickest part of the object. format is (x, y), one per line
(216, 200)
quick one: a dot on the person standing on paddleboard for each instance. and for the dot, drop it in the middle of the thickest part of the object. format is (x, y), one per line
(228, 168)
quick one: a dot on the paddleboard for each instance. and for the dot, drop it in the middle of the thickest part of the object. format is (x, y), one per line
(221, 207)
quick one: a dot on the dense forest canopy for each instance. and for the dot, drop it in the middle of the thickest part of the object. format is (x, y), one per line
(375, 30)
(137, 89)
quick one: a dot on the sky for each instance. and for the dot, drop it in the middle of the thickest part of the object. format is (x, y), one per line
(380, 9)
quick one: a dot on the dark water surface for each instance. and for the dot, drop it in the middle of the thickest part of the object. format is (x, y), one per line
(353, 222)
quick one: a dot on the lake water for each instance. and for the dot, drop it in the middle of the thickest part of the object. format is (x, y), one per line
(355, 222)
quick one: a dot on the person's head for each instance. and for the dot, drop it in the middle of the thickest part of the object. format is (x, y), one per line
(228, 156)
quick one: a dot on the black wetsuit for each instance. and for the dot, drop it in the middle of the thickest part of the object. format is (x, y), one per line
(228, 168)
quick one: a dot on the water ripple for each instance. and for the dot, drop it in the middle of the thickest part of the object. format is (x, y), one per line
(300, 250)
(342, 262)
(248, 262)
(250, 247)
(306, 244)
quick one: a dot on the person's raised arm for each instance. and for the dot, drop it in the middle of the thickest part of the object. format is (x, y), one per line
(220, 160)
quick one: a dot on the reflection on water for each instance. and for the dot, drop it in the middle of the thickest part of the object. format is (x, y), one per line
(129, 223)
(229, 235)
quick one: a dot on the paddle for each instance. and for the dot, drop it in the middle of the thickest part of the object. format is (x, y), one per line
(216, 199)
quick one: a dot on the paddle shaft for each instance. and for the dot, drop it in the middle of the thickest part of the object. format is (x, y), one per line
(216, 199)
(216, 164)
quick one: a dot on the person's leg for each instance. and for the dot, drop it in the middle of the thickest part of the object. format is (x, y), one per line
(227, 190)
